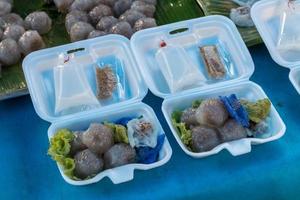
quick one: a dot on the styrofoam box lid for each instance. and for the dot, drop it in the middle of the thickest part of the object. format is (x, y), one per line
(38, 69)
(266, 18)
(197, 32)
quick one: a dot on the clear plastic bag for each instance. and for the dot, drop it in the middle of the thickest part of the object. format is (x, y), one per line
(72, 90)
(178, 69)
(111, 83)
(289, 29)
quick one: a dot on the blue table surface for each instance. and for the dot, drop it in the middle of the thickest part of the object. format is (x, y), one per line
(270, 171)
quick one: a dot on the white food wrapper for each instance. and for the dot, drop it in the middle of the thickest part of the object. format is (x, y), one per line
(178, 69)
(72, 90)
(142, 133)
(289, 27)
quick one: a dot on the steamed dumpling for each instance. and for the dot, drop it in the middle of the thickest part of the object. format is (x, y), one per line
(96, 33)
(118, 155)
(83, 5)
(131, 16)
(5, 8)
(9, 52)
(80, 31)
(211, 112)
(14, 32)
(204, 139)
(189, 117)
(144, 23)
(142, 7)
(98, 12)
(232, 131)
(98, 138)
(106, 23)
(142, 133)
(39, 21)
(122, 28)
(75, 16)
(31, 41)
(11, 19)
(87, 164)
(121, 6)
(63, 5)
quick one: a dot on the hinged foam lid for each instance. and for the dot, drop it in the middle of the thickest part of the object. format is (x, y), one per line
(266, 17)
(38, 69)
(192, 34)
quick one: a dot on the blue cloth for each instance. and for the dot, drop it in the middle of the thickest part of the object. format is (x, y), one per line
(148, 155)
(235, 109)
(270, 171)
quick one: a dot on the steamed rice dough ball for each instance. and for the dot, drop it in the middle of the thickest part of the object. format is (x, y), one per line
(83, 5)
(10, 19)
(96, 33)
(204, 139)
(211, 112)
(106, 23)
(153, 2)
(80, 31)
(122, 28)
(5, 8)
(121, 6)
(76, 143)
(232, 131)
(142, 7)
(14, 32)
(75, 16)
(1, 33)
(8, 1)
(31, 41)
(98, 138)
(39, 21)
(118, 155)
(9, 52)
(63, 5)
(87, 164)
(110, 3)
(189, 117)
(98, 12)
(131, 16)
(144, 23)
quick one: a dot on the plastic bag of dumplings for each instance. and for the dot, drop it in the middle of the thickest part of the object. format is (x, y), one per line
(289, 28)
(72, 89)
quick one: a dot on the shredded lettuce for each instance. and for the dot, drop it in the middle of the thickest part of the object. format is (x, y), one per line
(120, 132)
(60, 146)
(257, 111)
(184, 134)
(68, 167)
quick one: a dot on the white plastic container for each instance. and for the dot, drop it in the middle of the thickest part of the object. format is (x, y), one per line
(266, 16)
(38, 69)
(203, 31)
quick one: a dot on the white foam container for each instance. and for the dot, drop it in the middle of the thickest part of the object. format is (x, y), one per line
(201, 31)
(38, 70)
(266, 18)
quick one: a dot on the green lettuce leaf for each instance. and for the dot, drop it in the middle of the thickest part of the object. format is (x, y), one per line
(120, 132)
(257, 111)
(184, 134)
